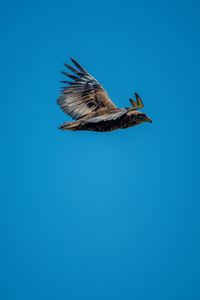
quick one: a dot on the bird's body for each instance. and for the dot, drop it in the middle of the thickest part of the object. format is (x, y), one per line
(124, 121)
(87, 102)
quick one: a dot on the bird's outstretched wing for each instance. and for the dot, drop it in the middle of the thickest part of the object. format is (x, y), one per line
(84, 95)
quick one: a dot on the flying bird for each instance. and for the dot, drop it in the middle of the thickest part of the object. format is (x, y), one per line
(86, 101)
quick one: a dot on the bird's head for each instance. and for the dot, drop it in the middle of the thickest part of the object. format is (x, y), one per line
(142, 117)
(138, 117)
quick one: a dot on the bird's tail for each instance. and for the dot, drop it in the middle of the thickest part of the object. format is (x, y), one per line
(70, 126)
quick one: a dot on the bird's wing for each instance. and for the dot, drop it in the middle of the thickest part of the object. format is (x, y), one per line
(84, 95)
(107, 116)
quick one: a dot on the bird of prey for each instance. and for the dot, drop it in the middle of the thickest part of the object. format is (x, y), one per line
(86, 101)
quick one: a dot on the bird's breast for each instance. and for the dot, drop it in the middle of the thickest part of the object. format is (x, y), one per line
(103, 126)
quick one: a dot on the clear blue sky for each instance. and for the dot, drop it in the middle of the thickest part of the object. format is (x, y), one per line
(94, 216)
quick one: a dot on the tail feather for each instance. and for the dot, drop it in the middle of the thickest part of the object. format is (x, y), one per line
(70, 126)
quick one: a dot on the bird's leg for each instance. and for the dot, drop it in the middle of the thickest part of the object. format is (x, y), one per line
(139, 103)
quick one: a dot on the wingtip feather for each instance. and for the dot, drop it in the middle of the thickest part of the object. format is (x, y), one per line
(78, 66)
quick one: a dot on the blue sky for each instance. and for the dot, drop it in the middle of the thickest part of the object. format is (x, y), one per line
(88, 215)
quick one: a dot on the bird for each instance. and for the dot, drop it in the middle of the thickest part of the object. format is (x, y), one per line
(86, 101)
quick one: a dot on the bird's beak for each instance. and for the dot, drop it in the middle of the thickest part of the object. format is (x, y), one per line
(148, 119)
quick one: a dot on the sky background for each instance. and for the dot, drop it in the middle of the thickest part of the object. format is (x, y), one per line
(88, 215)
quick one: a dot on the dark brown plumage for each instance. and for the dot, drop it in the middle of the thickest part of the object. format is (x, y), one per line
(86, 101)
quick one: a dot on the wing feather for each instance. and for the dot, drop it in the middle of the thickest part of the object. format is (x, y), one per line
(84, 95)
(112, 115)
